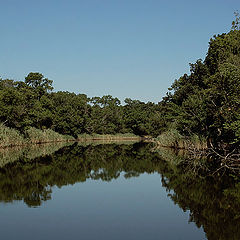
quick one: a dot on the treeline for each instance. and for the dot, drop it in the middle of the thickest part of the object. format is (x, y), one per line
(31, 103)
(204, 103)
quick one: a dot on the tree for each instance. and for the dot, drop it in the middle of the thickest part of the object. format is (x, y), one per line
(39, 83)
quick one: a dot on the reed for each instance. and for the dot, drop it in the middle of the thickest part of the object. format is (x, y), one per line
(172, 138)
(10, 137)
(37, 136)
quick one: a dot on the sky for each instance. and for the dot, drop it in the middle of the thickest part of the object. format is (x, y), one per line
(124, 48)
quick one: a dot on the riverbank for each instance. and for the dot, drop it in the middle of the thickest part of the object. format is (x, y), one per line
(173, 139)
(10, 137)
(198, 155)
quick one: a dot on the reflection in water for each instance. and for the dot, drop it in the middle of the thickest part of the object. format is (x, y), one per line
(32, 180)
(214, 204)
(28, 152)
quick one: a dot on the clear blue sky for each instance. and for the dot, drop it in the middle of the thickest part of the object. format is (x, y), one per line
(125, 48)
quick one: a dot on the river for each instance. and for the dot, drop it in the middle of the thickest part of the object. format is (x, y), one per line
(111, 191)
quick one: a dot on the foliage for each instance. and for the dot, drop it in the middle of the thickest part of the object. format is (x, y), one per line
(38, 83)
(32, 104)
(205, 103)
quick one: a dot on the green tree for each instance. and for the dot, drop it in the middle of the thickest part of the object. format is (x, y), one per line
(39, 83)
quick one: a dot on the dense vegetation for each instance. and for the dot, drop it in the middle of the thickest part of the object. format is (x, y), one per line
(204, 103)
(30, 103)
(207, 101)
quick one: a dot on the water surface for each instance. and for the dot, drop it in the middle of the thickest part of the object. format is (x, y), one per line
(112, 191)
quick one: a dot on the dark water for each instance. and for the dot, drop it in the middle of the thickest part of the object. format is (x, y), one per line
(112, 191)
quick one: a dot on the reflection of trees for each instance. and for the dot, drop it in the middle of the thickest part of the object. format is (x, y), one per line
(214, 204)
(32, 180)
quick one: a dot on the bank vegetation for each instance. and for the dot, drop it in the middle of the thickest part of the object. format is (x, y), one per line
(201, 110)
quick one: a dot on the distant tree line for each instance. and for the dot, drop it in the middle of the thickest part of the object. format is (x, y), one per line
(31, 103)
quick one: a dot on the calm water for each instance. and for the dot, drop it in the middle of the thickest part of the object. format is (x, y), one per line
(111, 191)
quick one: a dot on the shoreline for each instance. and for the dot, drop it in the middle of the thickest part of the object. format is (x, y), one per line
(110, 139)
(95, 139)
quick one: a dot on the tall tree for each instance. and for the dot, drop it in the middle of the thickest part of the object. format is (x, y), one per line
(39, 83)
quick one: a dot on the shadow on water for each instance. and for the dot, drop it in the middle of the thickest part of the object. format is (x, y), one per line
(214, 203)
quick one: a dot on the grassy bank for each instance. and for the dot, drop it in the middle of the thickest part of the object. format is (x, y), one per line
(172, 138)
(11, 137)
(108, 137)
(34, 135)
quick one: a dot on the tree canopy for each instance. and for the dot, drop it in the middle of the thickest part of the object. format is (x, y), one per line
(205, 102)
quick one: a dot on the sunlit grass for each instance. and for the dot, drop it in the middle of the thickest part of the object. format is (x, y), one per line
(12, 137)
(35, 135)
(172, 138)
